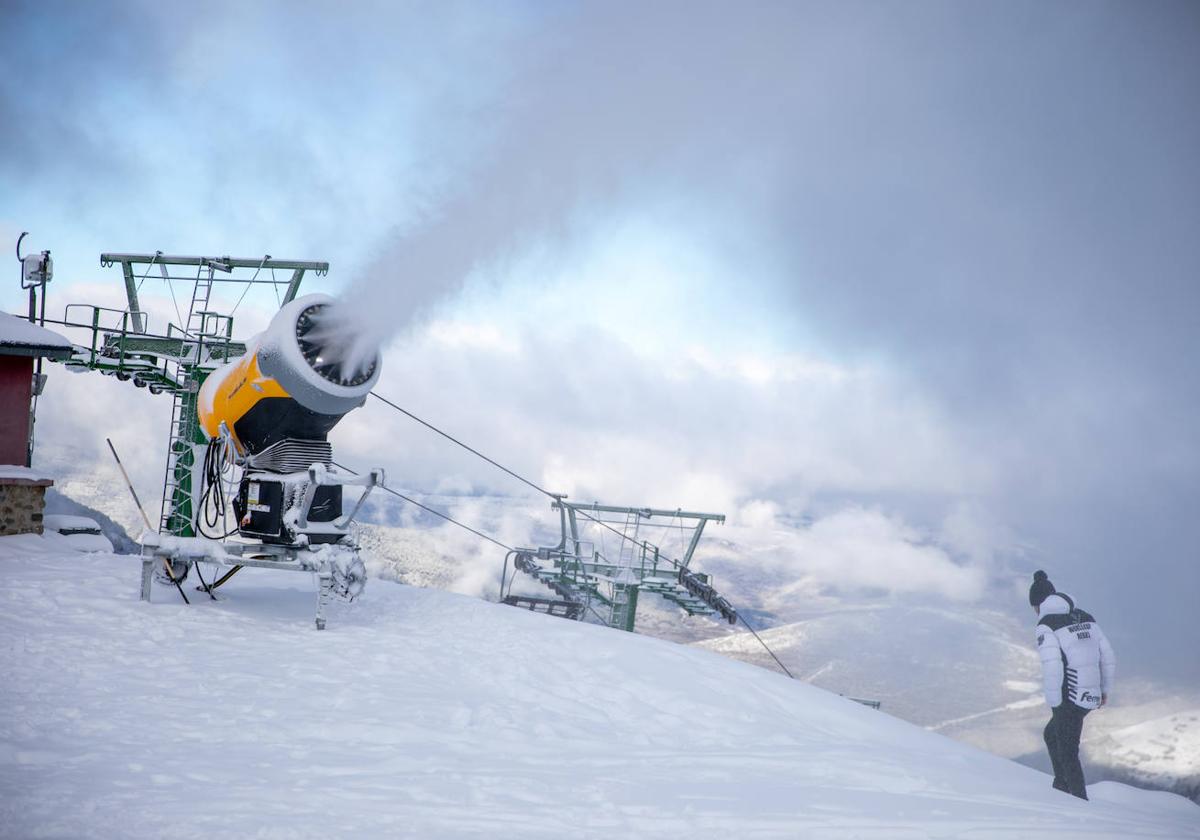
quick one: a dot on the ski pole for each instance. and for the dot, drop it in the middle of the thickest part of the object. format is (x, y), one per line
(174, 580)
(129, 484)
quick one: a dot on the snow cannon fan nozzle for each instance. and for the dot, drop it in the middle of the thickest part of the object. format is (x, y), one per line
(333, 345)
(308, 369)
(315, 349)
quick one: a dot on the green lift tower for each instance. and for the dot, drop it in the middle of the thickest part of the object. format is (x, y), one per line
(178, 360)
(595, 584)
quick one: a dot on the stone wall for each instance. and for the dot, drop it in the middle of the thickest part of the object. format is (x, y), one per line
(22, 501)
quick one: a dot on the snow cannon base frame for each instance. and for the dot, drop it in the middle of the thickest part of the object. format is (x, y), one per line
(327, 549)
(338, 567)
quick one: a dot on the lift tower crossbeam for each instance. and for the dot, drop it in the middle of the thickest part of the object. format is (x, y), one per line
(222, 264)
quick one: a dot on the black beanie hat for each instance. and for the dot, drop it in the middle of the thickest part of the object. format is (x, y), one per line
(1041, 589)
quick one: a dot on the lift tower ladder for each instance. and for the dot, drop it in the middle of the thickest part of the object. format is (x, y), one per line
(176, 515)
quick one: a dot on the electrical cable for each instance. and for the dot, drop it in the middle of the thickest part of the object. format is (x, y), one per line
(503, 468)
(226, 576)
(212, 497)
(203, 586)
(431, 510)
(171, 285)
(546, 492)
(149, 266)
(250, 283)
(674, 517)
(455, 440)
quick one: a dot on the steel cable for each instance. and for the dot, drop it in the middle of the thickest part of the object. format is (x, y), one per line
(542, 490)
(431, 510)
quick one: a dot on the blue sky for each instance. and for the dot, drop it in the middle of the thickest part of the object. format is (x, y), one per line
(933, 264)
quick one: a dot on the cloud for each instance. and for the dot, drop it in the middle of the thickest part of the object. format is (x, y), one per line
(850, 554)
(864, 549)
(620, 424)
(826, 257)
(237, 130)
(620, 428)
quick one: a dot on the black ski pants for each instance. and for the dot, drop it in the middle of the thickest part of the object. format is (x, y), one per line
(1062, 740)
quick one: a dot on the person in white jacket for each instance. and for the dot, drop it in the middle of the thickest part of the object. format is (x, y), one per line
(1078, 667)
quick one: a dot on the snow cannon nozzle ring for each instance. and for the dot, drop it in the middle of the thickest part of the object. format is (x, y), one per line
(325, 348)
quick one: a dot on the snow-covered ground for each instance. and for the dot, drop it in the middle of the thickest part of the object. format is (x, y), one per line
(84, 532)
(425, 714)
(895, 651)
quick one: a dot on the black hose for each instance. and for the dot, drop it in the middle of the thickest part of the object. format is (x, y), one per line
(212, 495)
(204, 586)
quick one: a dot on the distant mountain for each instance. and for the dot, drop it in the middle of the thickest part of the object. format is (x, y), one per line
(1160, 753)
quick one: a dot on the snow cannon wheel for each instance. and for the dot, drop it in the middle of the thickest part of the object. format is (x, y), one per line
(179, 570)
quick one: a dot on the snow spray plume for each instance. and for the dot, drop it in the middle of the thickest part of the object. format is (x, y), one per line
(347, 342)
(576, 134)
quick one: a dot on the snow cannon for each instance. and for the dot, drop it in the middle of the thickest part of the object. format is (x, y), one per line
(274, 408)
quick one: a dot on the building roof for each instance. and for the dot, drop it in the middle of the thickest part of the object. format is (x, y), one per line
(19, 337)
(15, 474)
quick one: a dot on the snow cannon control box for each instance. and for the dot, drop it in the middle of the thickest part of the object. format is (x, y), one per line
(262, 501)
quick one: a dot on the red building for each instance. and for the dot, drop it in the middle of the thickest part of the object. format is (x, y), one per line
(22, 491)
(21, 344)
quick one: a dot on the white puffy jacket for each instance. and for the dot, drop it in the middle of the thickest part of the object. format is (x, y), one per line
(1078, 663)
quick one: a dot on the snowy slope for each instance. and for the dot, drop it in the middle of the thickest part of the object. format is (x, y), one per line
(895, 652)
(424, 714)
